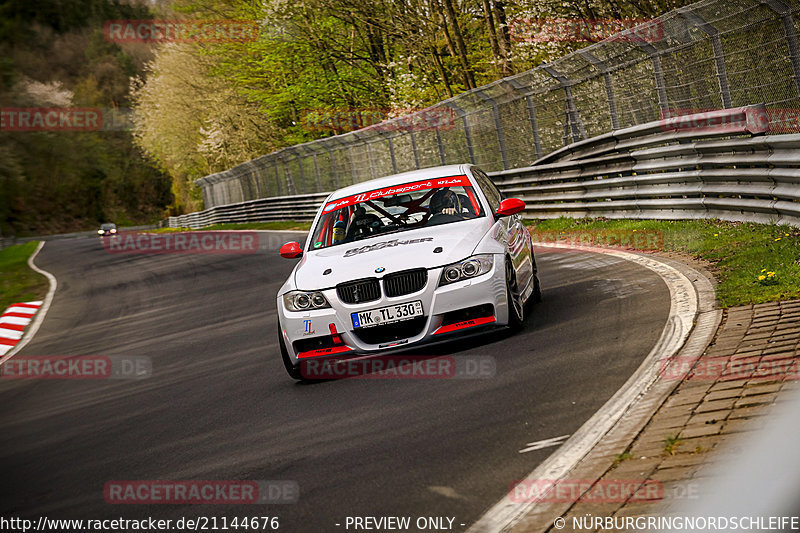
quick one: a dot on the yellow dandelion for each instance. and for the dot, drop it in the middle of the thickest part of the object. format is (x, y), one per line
(716, 235)
(762, 277)
(770, 274)
(763, 270)
(776, 240)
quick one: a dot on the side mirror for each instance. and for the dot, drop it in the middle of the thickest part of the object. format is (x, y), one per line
(291, 250)
(510, 206)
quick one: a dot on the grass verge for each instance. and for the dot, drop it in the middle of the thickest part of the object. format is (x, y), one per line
(18, 283)
(753, 263)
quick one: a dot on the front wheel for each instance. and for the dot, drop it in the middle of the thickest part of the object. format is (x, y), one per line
(292, 369)
(516, 311)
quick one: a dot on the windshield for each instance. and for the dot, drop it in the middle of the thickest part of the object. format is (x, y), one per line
(394, 209)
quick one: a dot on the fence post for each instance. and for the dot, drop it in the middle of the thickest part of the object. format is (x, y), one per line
(467, 134)
(441, 146)
(537, 142)
(391, 153)
(501, 138)
(414, 148)
(333, 168)
(316, 171)
(277, 176)
(612, 102)
(574, 124)
(719, 54)
(658, 72)
(290, 187)
(780, 7)
(352, 163)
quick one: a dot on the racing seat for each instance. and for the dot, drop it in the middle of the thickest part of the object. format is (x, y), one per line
(362, 225)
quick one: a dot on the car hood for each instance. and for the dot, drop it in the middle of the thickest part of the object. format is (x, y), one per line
(393, 252)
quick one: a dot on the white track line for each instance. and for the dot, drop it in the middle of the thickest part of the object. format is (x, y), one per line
(684, 306)
(39, 318)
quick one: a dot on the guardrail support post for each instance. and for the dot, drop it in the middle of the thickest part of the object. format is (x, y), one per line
(783, 10)
(501, 138)
(612, 103)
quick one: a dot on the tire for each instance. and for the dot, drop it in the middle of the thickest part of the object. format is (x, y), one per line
(292, 369)
(536, 295)
(516, 310)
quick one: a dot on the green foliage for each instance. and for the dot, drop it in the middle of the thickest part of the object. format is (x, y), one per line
(738, 252)
(18, 283)
(55, 55)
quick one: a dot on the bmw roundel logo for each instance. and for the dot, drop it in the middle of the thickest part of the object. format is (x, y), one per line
(379, 270)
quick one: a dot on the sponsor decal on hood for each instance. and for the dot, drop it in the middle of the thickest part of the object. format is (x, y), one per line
(386, 244)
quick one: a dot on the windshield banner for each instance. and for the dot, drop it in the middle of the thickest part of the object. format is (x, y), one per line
(451, 181)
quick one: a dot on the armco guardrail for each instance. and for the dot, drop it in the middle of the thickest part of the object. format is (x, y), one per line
(707, 165)
(669, 170)
(710, 55)
(302, 207)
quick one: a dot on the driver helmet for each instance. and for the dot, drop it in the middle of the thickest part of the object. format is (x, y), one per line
(443, 199)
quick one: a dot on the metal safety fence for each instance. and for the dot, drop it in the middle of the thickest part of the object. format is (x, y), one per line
(710, 55)
(718, 164)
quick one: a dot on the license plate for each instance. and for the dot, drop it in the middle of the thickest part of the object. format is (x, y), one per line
(387, 315)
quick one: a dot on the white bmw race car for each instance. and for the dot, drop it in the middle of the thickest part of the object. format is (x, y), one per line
(418, 257)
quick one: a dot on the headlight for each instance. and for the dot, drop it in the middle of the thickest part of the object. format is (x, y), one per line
(304, 301)
(113, 231)
(100, 232)
(473, 267)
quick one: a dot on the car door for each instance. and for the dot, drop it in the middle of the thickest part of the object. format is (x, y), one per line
(517, 235)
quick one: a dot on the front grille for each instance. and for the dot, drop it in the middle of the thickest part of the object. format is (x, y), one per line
(391, 332)
(363, 290)
(405, 282)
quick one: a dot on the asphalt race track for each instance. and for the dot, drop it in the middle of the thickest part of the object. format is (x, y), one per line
(219, 405)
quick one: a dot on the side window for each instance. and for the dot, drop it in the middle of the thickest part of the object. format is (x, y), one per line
(493, 195)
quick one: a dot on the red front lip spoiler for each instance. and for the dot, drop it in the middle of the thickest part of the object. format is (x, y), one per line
(324, 351)
(471, 323)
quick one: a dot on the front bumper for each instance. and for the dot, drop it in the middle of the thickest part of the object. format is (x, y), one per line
(449, 311)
